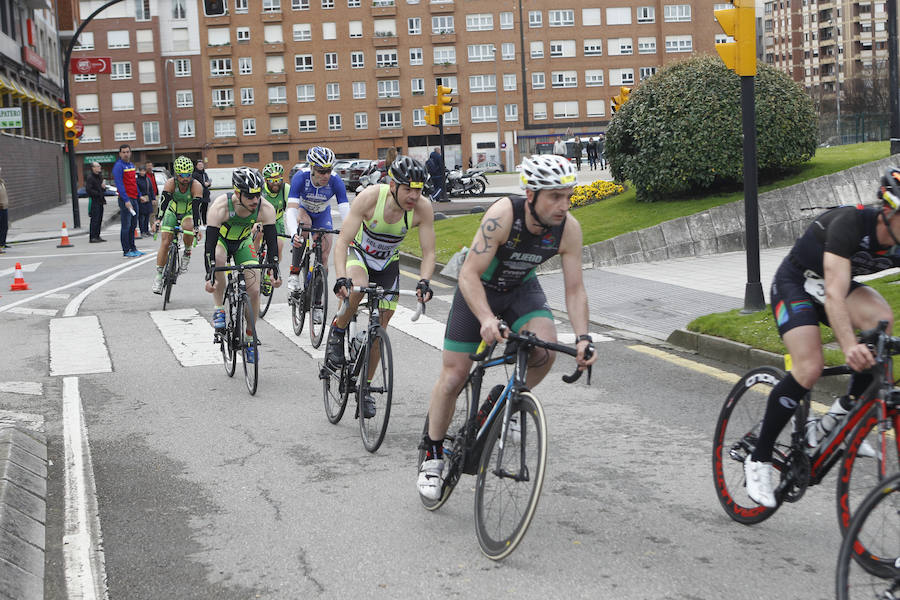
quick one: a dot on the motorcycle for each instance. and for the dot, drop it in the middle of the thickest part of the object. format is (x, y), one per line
(472, 182)
(367, 180)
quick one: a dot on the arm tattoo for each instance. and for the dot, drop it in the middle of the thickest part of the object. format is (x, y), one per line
(483, 245)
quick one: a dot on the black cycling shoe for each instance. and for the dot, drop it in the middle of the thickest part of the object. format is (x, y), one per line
(368, 406)
(334, 351)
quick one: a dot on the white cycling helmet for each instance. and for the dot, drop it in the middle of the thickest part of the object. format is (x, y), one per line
(547, 172)
(320, 156)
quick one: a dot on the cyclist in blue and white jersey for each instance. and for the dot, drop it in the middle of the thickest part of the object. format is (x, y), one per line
(309, 203)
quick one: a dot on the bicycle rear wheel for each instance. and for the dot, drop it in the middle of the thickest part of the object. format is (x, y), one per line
(299, 299)
(735, 438)
(318, 300)
(335, 392)
(380, 387)
(226, 338)
(265, 291)
(169, 273)
(249, 343)
(870, 569)
(454, 443)
(510, 478)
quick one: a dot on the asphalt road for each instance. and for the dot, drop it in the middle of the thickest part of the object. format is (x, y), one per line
(206, 492)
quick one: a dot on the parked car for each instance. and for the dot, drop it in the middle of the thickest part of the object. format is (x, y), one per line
(341, 168)
(110, 191)
(355, 171)
(489, 166)
(300, 166)
(161, 177)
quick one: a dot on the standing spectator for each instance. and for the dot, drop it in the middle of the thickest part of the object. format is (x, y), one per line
(559, 147)
(201, 176)
(149, 166)
(96, 191)
(4, 215)
(600, 141)
(577, 148)
(435, 166)
(147, 198)
(125, 176)
(592, 153)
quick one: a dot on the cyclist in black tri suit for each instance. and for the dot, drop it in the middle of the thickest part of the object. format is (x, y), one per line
(813, 285)
(498, 280)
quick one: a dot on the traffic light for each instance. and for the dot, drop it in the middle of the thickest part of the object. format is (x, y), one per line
(214, 8)
(431, 115)
(740, 24)
(443, 100)
(622, 98)
(70, 125)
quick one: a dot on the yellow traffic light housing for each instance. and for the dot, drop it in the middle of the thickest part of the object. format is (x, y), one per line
(431, 115)
(622, 98)
(740, 24)
(70, 124)
(443, 99)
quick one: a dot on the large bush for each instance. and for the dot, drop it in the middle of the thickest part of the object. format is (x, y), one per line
(681, 129)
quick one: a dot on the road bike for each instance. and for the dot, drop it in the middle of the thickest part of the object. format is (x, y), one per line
(265, 287)
(363, 348)
(172, 268)
(507, 452)
(869, 560)
(864, 441)
(239, 334)
(313, 293)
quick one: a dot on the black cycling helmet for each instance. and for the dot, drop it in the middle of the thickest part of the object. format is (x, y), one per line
(889, 191)
(247, 180)
(408, 171)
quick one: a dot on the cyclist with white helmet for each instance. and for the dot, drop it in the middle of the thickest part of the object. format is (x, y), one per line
(179, 206)
(498, 281)
(309, 204)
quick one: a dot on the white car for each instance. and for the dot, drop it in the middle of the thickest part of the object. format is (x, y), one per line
(489, 166)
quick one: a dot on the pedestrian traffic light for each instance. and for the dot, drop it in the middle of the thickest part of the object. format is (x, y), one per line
(431, 115)
(622, 98)
(70, 124)
(214, 8)
(740, 24)
(443, 99)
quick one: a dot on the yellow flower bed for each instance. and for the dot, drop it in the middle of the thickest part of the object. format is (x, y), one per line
(587, 194)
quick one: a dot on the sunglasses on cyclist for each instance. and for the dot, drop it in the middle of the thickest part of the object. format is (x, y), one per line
(185, 175)
(274, 179)
(322, 171)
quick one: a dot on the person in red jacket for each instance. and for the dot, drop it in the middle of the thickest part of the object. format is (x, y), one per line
(125, 176)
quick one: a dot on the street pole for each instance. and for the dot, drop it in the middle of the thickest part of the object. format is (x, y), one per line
(500, 160)
(169, 106)
(894, 95)
(753, 294)
(443, 157)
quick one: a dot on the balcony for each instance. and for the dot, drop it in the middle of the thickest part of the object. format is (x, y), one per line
(384, 9)
(865, 54)
(387, 72)
(390, 132)
(824, 43)
(443, 38)
(279, 138)
(221, 80)
(228, 140)
(276, 77)
(221, 50)
(444, 69)
(452, 129)
(222, 111)
(216, 21)
(385, 41)
(389, 102)
(279, 108)
(271, 16)
(273, 47)
(441, 7)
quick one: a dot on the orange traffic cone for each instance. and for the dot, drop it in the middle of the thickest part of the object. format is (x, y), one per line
(18, 283)
(137, 232)
(64, 238)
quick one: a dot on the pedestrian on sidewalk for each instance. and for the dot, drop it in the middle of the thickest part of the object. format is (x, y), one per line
(600, 141)
(201, 176)
(94, 185)
(147, 198)
(436, 169)
(559, 147)
(577, 148)
(4, 214)
(125, 176)
(592, 153)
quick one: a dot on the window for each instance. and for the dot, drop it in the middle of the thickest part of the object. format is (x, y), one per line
(508, 51)
(273, 34)
(186, 128)
(593, 78)
(537, 81)
(184, 98)
(509, 82)
(278, 125)
(620, 47)
(331, 61)
(225, 159)
(595, 108)
(334, 122)
(245, 65)
(450, 82)
(537, 49)
(277, 94)
(86, 103)
(593, 47)
(452, 118)
(415, 56)
(561, 18)
(327, 4)
(144, 39)
(146, 71)
(224, 128)
(249, 128)
(386, 58)
(506, 20)
(389, 119)
(484, 114)
(621, 76)
(357, 60)
(482, 83)
(179, 11)
(564, 79)
(251, 157)
(535, 18)
(679, 43)
(480, 22)
(360, 120)
(85, 41)
(353, 3)
(481, 52)
(562, 48)
(303, 62)
(355, 28)
(511, 112)
(306, 92)
(275, 64)
(329, 31)
(591, 16)
(223, 97)
(359, 90)
(124, 132)
(565, 110)
(218, 36)
(676, 13)
(247, 96)
(332, 91)
(242, 34)
(80, 78)
(151, 132)
(302, 32)
(444, 55)
(418, 86)
(306, 123)
(149, 103)
(240, 6)
(271, 5)
(442, 24)
(120, 70)
(418, 117)
(539, 111)
(647, 45)
(646, 14)
(389, 88)
(414, 26)
(117, 39)
(646, 72)
(123, 101)
(299, 5)
(180, 39)
(618, 16)
(284, 155)
(220, 67)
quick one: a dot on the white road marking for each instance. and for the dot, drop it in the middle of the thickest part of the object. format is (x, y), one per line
(82, 541)
(64, 254)
(75, 303)
(26, 420)
(77, 346)
(448, 298)
(29, 268)
(569, 338)
(416, 277)
(24, 310)
(426, 329)
(279, 317)
(59, 296)
(189, 335)
(31, 388)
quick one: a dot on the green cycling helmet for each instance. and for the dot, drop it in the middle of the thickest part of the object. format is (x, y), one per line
(183, 165)
(273, 169)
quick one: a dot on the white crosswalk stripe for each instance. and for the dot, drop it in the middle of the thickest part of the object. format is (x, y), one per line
(189, 335)
(77, 346)
(279, 317)
(426, 329)
(44, 312)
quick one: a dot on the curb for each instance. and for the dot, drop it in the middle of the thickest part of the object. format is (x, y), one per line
(23, 511)
(106, 222)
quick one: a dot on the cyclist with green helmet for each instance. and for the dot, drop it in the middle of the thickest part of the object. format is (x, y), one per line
(180, 194)
(275, 191)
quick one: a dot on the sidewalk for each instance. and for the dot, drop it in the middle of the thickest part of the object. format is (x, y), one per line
(47, 225)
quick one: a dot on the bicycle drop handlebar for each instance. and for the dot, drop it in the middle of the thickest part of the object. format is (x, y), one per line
(371, 289)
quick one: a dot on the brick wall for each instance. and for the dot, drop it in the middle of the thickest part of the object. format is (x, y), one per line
(35, 174)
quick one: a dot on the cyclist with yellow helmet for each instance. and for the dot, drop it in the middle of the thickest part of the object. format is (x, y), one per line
(180, 194)
(275, 191)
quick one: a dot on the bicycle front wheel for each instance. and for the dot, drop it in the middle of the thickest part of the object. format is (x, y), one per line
(318, 306)
(870, 569)
(250, 344)
(265, 288)
(737, 431)
(334, 392)
(226, 339)
(169, 273)
(376, 380)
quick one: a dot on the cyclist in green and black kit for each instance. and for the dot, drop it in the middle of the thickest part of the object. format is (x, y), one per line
(275, 191)
(180, 203)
